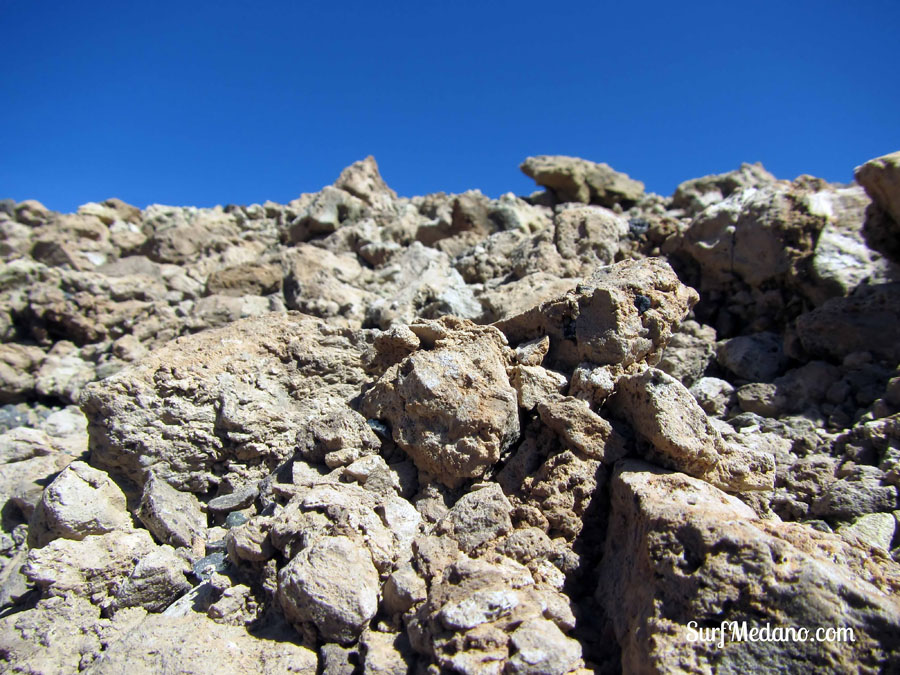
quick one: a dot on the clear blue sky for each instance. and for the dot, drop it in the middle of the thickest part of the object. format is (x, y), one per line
(237, 102)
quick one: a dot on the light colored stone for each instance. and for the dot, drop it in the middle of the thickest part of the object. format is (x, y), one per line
(450, 404)
(313, 588)
(662, 410)
(81, 501)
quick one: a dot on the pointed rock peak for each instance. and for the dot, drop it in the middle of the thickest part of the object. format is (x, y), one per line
(362, 179)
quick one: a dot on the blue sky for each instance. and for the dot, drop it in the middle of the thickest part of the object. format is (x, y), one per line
(238, 102)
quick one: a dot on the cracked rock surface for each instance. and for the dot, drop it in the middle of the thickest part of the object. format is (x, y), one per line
(365, 433)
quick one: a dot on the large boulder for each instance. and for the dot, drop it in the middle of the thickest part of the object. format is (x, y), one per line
(682, 556)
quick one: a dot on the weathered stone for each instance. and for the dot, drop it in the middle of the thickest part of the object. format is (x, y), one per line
(173, 517)
(663, 411)
(578, 180)
(312, 588)
(478, 518)
(622, 314)
(81, 501)
(155, 582)
(755, 358)
(582, 429)
(450, 404)
(680, 551)
(881, 179)
(97, 564)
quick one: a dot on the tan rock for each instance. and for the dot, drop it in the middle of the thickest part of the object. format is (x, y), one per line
(623, 314)
(662, 411)
(578, 180)
(679, 551)
(450, 404)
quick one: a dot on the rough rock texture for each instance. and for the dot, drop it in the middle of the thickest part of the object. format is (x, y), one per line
(680, 550)
(450, 404)
(361, 432)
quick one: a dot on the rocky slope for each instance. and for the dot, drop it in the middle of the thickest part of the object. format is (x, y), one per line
(365, 433)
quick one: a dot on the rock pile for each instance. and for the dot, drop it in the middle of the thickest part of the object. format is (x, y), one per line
(566, 433)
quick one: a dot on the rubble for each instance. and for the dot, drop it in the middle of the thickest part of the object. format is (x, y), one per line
(361, 432)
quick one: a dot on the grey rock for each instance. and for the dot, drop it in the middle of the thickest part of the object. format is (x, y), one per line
(173, 517)
(233, 501)
(755, 358)
(312, 588)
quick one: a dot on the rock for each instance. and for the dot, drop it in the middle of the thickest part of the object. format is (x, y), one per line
(581, 429)
(97, 564)
(233, 391)
(541, 648)
(755, 358)
(403, 589)
(689, 353)
(590, 234)
(473, 608)
(715, 396)
(363, 180)
(81, 501)
(671, 535)
(158, 645)
(234, 501)
(245, 279)
(18, 364)
(336, 435)
(662, 411)
(155, 582)
(479, 517)
(534, 384)
(880, 177)
(578, 180)
(860, 322)
(622, 315)
(384, 653)
(855, 495)
(173, 517)
(874, 529)
(450, 404)
(696, 194)
(310, 595)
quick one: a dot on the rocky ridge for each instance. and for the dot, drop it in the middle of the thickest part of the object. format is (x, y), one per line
(365, 433)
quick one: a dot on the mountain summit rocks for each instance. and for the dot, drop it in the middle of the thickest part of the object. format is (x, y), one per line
(361, 432)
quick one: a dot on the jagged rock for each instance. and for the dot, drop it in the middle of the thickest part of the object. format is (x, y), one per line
(662, 411)
(581, 429)
(857, 494)
(81, 501)
(479, 517)
(336, 436)
(234, 392)
(363, 180)
(864, 321)
(696, 194)
(590, 234)
(97, 564)
(158, 645)
(534, 384)
(18, 364)
(881, 179)
(450, 404)
(715, 396)
(679, 551)
(467, 621)
(874, 529)
(312, 588)
(577, 180)
(173, 517)
(689, 353)
(321, 283)
(622, 315)
(385, 653)
(156, 581)
(245, 279)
